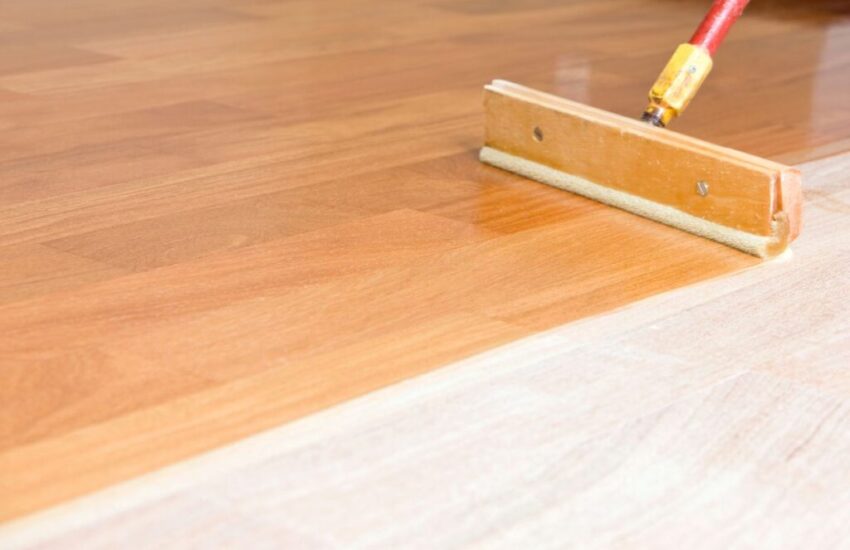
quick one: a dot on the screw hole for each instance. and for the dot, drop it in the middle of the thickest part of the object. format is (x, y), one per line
(538, 133)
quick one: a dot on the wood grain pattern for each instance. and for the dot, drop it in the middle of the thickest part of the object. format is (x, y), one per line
(667, 424)
(749, 203)
(652, 163)
(221, 216)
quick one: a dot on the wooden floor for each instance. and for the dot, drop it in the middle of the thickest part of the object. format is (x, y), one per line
(217, 216)
(666, 424)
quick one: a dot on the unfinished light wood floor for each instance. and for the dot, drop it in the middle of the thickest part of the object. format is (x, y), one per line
(217, 216)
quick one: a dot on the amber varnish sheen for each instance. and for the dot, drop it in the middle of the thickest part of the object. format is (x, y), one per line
(217, 216)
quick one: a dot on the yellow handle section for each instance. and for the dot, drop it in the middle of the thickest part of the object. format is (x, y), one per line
(678, 83)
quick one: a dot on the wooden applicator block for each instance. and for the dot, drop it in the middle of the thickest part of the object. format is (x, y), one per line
(738, 199)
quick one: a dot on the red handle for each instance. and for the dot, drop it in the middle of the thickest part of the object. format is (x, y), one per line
(717, 23)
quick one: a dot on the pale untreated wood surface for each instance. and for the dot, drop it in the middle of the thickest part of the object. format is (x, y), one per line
(672, 423)
(216, 216)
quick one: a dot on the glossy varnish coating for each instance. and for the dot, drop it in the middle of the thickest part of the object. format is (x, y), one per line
(216, 216)
(629, 426)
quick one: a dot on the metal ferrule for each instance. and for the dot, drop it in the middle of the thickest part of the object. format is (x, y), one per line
(677, 84)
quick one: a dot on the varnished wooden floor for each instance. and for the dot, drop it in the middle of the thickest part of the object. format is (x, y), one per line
(218, 216)
(667, 424)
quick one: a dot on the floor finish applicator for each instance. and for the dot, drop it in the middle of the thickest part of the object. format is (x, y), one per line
(734, 198)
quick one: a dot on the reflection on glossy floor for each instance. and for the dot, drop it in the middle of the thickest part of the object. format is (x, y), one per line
(218, 215)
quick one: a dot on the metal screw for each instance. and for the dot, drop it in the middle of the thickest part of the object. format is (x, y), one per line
(702, 188)
(538, 133)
